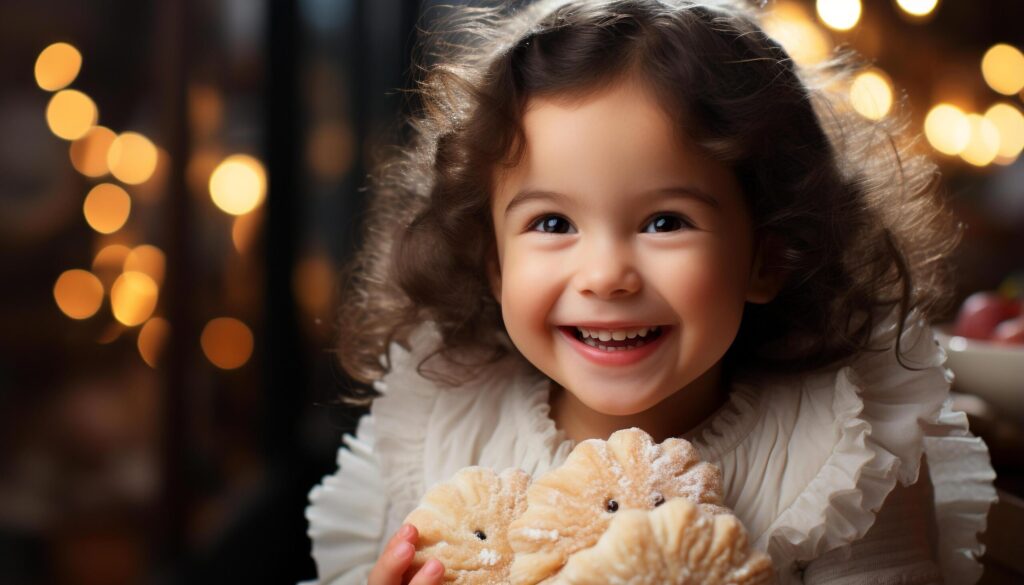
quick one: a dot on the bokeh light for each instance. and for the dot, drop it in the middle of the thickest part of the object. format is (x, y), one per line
(871, 94)
(152, 339)
(839, 14)
(793, 27)
(111, 257)
(109, 263)
(106, 208)
(57, 66)
(329, 150)
(133, 298)
(147, 259)
(227, 343)
(244, 230)
(132, 158)
(70, 114)
(947, 129)
(201, 164)
(1009, 121)
(78, 293)
(917, 7)
(313, 284)
(983, 145)
(1003, 69)
(89, 153)
(238, 184)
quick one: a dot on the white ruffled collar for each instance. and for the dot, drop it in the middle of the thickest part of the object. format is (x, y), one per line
(869, 423)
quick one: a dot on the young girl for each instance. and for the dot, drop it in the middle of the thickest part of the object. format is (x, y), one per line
(642, 213)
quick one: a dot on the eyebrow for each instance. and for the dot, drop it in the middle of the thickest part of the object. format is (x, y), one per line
(682, 192)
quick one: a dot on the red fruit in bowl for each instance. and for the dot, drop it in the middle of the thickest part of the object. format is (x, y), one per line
(982, 312)
(1010, 331)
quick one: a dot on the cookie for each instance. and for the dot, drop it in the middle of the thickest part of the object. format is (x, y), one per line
(675, 544)
(570, 507)
(464, 521)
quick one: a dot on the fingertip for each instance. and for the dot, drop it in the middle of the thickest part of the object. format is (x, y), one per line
(403, 551)
(433, 568)
(408, 531)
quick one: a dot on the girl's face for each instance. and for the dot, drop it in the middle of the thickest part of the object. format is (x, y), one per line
(611, 224)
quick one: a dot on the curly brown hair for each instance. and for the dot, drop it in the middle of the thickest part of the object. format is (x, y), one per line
(853, 205)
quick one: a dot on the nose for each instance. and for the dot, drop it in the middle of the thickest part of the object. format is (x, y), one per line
(607, 270)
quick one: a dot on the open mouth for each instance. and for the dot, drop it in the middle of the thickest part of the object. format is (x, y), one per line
(612, 341)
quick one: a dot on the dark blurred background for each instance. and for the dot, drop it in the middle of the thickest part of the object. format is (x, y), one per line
(181, 181)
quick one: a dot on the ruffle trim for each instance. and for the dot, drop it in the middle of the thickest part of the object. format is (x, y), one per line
(406, 407)
(406, 412)
(886, 417)
(546, 446)
(346, 513)
(962, 475)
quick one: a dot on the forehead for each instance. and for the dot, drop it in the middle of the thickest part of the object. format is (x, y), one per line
(618, 138)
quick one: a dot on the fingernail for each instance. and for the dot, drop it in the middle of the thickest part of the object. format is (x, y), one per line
(403, 550)
(406, 531)
(433, 567)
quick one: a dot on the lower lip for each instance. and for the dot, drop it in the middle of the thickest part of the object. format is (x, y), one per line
(614, 358)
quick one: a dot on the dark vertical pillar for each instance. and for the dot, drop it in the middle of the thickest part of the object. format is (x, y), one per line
(283, 353)
(173, 49)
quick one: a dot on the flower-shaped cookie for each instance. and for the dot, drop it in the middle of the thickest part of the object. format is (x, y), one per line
(464, 521)
(570, 507)
(676, 544)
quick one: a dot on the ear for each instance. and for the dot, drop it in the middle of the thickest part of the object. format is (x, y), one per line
(494, 272)
(766, 275)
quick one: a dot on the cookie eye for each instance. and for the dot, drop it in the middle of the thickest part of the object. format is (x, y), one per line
(612, 506)
(480, 534)
(659, 500)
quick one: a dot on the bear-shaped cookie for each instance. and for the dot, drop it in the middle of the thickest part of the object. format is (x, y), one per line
(571, 506)
(674, 544)
(464, 521)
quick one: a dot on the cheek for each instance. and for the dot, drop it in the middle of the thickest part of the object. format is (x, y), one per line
(529, 290)
(705, 282)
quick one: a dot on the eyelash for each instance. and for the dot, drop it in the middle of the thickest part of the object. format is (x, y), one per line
(683, 222)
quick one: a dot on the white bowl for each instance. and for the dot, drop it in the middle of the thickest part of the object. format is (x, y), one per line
(993, 371)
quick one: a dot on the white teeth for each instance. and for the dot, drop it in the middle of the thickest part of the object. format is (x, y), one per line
(618, 334)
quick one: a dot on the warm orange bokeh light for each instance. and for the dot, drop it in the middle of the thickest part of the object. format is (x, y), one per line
(313, 284)
(148, 260)
(107, 208)
(1003, 68)
(947, 129)
(238, 184)
(227, 343)
(983, 145)
(871, 94)
(793, 27)
(133, 298)
(89, 153)
(70, 114)
(839, 14)
(132, 158)
(79, 293)
(152, 338)
(111, 257)
(57, 66)
(244, 230)
(1009, 121)
(918, 8)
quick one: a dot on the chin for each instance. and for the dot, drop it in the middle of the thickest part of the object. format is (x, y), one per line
(611, 406)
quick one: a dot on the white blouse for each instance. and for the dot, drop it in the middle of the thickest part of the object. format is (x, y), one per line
(807, 463)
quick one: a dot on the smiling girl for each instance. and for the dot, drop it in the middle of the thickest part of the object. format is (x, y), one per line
(640, 213)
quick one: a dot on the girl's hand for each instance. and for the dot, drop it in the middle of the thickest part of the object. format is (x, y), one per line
(393, 565)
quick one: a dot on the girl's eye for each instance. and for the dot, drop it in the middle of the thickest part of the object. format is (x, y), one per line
(551, 224)
(666, 223)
